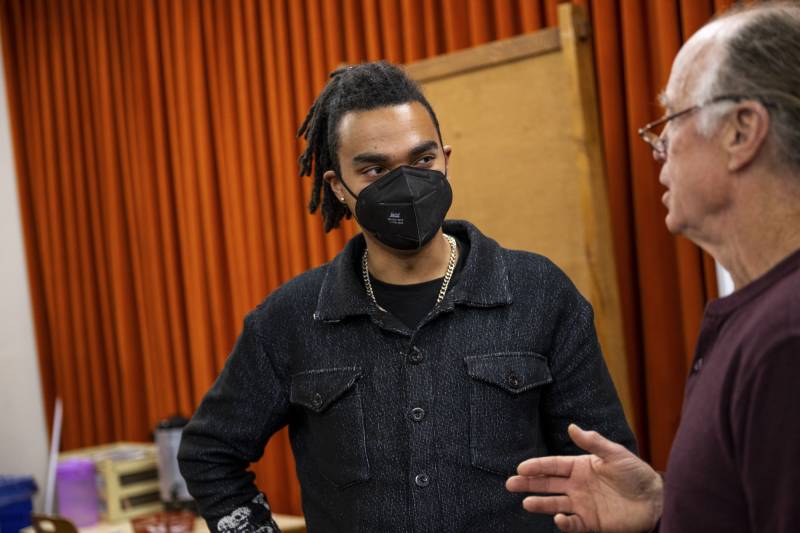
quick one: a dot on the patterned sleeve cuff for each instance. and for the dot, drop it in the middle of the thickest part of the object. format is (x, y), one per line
(255, 517)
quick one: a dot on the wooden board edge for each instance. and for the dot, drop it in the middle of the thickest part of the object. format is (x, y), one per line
(490, 54)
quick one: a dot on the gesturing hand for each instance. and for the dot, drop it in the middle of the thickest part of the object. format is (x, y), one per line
(610, 491)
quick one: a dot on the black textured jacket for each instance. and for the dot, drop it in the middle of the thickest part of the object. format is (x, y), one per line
(401, 430)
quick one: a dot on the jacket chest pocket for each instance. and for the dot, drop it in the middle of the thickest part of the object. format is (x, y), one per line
(331, 427)
(505, 392)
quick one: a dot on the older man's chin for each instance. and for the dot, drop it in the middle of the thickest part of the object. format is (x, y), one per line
(669, 218)
(673, 226)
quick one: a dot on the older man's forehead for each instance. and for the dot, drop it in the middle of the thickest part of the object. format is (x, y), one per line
(697, 56)
(692, 61)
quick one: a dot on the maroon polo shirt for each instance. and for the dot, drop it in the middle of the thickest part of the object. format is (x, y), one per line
(735, 461)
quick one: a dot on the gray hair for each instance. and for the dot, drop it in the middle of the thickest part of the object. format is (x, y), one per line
(760, 60)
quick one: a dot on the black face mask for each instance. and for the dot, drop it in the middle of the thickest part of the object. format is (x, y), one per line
(405, 208)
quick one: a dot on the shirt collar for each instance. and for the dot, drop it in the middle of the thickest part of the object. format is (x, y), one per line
(483, 280)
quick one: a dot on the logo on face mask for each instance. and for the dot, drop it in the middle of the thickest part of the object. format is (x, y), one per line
(405, 208)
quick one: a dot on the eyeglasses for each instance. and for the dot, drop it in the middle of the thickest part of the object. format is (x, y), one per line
(659, 143)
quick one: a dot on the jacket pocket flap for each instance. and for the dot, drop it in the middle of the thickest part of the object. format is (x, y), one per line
(318, 389)
(513, 372)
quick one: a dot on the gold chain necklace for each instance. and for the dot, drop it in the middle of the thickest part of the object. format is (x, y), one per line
(451, 266)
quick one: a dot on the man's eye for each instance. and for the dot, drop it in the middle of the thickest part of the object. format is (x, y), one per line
(374, 171)
(425, 160)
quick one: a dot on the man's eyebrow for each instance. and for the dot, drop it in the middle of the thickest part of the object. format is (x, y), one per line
(370, 158)
(420, 149)
(374, 158)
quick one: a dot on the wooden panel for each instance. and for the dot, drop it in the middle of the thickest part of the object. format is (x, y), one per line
(527, 168)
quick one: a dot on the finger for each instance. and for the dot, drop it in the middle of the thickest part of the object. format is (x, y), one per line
(547, 504)
(593, 442)
(544, 484)
(570, 523)
(547, 466)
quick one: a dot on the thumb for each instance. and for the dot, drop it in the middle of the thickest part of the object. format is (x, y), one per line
(593, 442)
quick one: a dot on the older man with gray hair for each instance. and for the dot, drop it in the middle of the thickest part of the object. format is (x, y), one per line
(730, 149)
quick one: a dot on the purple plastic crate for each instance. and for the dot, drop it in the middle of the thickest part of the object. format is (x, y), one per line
(77, 491)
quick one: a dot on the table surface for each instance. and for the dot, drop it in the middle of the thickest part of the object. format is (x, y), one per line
(287, 523)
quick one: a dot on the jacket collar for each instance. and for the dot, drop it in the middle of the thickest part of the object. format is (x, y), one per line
(482, 282)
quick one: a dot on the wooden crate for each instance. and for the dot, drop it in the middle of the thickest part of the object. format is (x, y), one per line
(127, 478)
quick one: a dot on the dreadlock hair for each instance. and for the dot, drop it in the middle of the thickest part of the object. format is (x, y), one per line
(355, 88)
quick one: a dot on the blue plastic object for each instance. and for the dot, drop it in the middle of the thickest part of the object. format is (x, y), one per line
(15, 502)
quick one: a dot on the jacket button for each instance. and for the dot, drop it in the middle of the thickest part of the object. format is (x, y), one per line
(415, 356)
(698, 364)
(513, 380)
(422, 480)
(316, 401)
(417, 414)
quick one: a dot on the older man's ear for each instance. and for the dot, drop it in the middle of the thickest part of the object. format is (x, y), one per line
(746, 134)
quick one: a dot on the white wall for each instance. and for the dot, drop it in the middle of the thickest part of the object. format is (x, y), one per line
(23, 439)
(724, 281)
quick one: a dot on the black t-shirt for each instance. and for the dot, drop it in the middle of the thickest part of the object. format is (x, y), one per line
(411, 303)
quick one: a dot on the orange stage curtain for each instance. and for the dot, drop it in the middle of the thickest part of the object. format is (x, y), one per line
(156, 164)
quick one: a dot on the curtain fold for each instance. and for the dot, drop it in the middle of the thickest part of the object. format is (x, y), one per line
(156, 160)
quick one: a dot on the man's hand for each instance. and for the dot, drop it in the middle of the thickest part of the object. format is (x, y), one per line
(609, 491)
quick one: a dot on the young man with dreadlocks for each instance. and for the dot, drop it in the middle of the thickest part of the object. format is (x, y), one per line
(416, 369)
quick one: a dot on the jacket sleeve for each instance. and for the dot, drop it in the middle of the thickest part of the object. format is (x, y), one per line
(246, 405)
(582, 391)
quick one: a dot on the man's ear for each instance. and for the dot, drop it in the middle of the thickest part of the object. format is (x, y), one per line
(447, 149)
(335, 183)
(749, 127)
